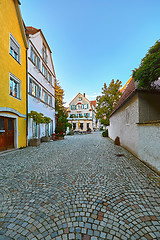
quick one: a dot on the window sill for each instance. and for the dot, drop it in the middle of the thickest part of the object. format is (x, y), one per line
(15, 59)
(15, 97)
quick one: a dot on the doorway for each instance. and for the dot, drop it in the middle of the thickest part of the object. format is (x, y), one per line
(6, 133)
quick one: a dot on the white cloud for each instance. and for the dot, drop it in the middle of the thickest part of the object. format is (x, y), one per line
(92, 97)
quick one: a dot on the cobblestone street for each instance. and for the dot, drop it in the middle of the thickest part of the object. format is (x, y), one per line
(83, 187)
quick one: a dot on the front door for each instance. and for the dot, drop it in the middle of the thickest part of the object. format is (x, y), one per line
(6, 133)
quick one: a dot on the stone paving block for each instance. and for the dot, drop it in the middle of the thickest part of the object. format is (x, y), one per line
(101, 195)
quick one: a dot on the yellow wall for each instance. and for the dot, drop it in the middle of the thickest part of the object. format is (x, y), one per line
(10, 24)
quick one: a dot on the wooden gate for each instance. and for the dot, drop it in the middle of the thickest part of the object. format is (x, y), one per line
(6, 133)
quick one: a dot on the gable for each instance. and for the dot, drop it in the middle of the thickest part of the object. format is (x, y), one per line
(76, 100)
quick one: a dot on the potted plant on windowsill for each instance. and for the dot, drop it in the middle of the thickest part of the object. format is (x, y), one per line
(46, 138)
(38, 119)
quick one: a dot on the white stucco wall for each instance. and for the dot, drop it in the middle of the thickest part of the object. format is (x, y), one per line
(148, 144)
(123, 124)
(36, 41)
(91, 110)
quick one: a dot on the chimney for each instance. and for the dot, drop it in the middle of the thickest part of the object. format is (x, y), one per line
(84, 94)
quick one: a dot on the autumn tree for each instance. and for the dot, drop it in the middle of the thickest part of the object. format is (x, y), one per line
(149, 69)
(108, 99)
(59, 94)
(61, 113)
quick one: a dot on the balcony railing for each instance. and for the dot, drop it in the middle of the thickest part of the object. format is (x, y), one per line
(79, 118)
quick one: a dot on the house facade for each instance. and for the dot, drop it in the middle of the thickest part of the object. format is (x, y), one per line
(13, 69)
(81, 113)
(136, 121)
(41, 78)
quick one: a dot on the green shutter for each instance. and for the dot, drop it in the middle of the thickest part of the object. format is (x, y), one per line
(71, 107)
(75, 107)
(87, 106)
(83, 106)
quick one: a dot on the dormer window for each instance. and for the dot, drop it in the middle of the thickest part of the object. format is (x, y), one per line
(80, 98)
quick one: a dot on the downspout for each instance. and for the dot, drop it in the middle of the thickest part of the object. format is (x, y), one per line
(27, 97)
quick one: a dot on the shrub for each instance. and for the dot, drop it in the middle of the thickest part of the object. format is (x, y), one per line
(105, 133)
(101, 129)
(70, 133)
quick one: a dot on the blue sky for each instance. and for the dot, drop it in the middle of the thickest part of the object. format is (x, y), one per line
(94, 41)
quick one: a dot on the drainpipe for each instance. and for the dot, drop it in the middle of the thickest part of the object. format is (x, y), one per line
(26, 97)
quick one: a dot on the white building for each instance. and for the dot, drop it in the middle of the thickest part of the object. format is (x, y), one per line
(136, 121)
(41, 78)
(81, 113)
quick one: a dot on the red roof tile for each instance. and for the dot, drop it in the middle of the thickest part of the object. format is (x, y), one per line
(32, 30)
(93, 102)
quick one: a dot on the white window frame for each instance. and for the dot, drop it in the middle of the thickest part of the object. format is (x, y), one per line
(17, 44)
(11, 76)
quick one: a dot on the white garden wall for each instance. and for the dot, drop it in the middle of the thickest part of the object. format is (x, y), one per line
(123, 124)
(149, 144)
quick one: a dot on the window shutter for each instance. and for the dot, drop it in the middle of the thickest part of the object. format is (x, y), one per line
(87, 106)
(71, 107)
(75, 106)
(83, 106)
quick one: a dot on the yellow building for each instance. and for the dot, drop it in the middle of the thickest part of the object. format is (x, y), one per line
(13, 76)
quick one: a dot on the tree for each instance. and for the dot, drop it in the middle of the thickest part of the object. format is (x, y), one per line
(61, 113)
(106, 102)
(149, 69)
(59, 94)
(39, 118)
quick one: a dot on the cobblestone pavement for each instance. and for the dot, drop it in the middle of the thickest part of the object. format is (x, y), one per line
(82, 188)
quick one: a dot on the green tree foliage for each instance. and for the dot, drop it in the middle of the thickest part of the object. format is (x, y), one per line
(39, 117)
(106, 102)
(149, 69)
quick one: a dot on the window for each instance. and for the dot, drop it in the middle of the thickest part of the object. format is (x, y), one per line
(2, 124)
(79, 106)
(14, 48)
(87, 115)
(10, 124)
(49, 77)
(85, 106)
(80, 98)
(50, 101)
(44, 53)
(51, 127)
(34, 129)
(73, 107)
(46, 129)
(34, 89)
(74, 126)
(44, 71)
(45, 97)
(14, 86)
(35, 59)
